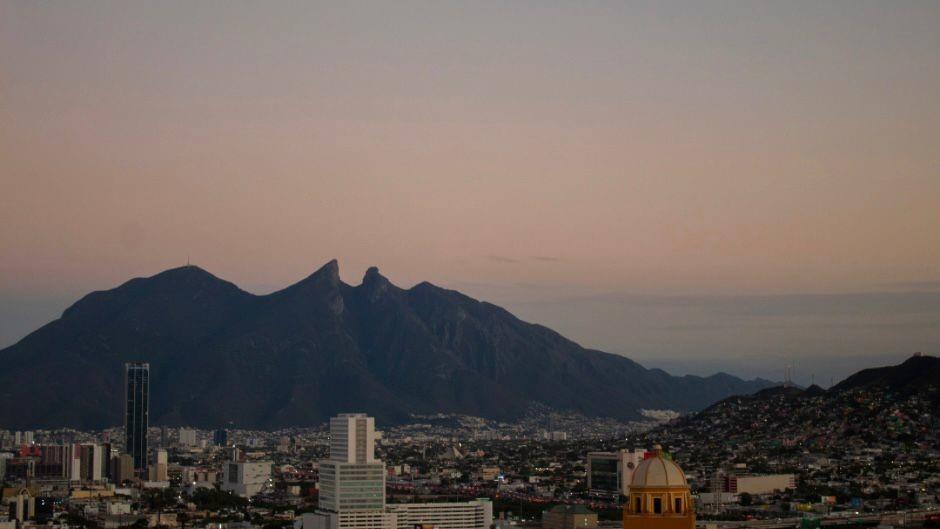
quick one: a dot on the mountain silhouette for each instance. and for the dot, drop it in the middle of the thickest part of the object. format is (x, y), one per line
(297, 356)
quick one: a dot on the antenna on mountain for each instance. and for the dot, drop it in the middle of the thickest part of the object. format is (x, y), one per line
(812, 379)
(187, 261)
(786, 381)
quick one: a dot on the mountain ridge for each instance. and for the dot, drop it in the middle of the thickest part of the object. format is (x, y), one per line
(296, 356)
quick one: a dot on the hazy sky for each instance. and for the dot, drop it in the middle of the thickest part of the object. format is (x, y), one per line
(697, 185)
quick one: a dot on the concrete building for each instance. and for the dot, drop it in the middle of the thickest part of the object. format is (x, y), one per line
(569, 517)
(477, 514)
(246, 478)
(610, 473)
(352, 479)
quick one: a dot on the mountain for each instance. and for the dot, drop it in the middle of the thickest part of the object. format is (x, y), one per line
(219, 354)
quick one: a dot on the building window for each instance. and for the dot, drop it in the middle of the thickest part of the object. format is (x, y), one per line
(679, 505)
(639, 505)
(657, 505)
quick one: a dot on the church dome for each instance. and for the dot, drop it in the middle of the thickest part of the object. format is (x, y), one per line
(659, 472)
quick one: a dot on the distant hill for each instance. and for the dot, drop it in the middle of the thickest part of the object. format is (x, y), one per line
(916, 373)
(219, 354)
(894, 404)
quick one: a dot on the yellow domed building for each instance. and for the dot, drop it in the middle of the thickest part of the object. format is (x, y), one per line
(659, 496)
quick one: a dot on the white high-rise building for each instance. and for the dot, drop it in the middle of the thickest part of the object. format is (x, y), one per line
(352, 438)
(352, 489)
(352, 479)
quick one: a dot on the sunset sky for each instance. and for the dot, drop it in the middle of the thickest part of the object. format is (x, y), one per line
(699, 186)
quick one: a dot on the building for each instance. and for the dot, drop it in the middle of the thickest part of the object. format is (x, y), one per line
(754, 484)
(352, 479)
(246, 478)
(122, 468)
(188, 437)
(477, 514)
(659, 496)
(352, 489)
(569, 517)
(609, 473)
(158, 470)
(136, 412)
(220, 437)
(93, 465)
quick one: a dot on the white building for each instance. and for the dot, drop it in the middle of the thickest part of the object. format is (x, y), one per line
(476, 514)
(246, 478)
(352, 489)
(352, 479)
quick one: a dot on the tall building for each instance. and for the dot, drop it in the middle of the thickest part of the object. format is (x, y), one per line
(352, 479)
(136, 412)
(659, 496)
(352, 489)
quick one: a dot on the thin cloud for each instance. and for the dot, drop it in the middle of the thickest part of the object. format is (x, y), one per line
(547, 258)
(502, 259)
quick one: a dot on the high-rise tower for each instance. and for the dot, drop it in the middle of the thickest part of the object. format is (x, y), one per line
(136, 412)
(352, 479)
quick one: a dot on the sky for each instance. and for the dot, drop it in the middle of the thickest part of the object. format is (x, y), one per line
(700, 186)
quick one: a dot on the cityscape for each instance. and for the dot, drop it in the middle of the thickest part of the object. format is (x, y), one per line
(784, 457)
(470, 264)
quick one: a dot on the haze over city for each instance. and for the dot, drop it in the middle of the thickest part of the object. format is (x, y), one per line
(701, 187)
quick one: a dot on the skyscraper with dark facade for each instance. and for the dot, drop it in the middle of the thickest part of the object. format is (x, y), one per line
(136, 410)
(220, 437)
